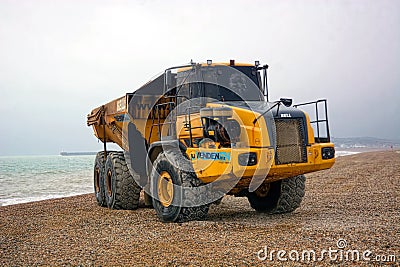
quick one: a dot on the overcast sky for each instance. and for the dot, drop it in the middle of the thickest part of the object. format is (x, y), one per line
(61, 59)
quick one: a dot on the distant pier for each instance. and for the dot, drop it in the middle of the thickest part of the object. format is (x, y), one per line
(77, 153)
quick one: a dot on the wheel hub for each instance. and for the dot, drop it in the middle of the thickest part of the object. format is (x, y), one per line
(97, 180)
(165, 189)
(263, 190)
(109, 183)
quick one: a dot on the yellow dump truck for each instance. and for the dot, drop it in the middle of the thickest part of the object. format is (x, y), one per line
(198, 132)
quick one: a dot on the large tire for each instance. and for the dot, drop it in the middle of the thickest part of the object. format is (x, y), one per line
(120, 188)
(174, 168)
(98, 179)
(283, 196)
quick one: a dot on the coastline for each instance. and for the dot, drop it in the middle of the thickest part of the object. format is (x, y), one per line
(12, 202)
(7, 201)
(26, 179)
(356, 200)
(365, 149)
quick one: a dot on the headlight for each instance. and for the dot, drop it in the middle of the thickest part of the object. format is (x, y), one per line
(248, 159)
(328, 152)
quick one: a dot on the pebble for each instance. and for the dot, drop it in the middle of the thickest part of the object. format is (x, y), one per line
(357, 200)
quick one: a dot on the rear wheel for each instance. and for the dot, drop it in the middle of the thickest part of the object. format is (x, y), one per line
(120, 188)
(171, 173)
(99, 176)
(279, 197)
(98, 180)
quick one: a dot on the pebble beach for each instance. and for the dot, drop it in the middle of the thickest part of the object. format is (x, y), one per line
(353, 206)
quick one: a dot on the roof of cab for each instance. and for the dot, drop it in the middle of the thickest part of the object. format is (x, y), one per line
(239, 64)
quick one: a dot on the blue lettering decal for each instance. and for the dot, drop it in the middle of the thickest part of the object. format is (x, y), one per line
(220, 156)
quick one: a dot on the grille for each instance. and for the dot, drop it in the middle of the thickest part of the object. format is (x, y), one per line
(290, 141)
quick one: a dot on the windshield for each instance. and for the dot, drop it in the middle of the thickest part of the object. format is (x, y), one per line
(251, 72)
(220, 83)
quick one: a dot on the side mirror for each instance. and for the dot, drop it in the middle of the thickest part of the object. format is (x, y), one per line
(286, 101)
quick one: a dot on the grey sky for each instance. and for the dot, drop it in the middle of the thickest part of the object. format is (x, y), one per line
(60, 59)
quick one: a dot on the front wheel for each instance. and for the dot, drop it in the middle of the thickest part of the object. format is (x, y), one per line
(282, 196)
(171, 173)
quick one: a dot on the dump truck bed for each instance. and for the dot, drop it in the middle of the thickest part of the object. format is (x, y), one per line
(107, 120)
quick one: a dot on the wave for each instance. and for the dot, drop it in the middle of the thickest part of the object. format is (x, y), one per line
(345, 153)
(20, 200)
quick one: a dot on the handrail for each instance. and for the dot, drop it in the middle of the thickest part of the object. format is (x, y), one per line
(157, 110)
(319, 121)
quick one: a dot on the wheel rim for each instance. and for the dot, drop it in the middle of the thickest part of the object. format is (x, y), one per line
(97, 179)
(263, 190)
(165, 189)
(109, 182)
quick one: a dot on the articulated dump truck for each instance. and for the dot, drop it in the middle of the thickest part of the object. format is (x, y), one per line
(198, 132)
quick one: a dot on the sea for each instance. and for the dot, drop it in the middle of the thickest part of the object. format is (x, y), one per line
(33, 178)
